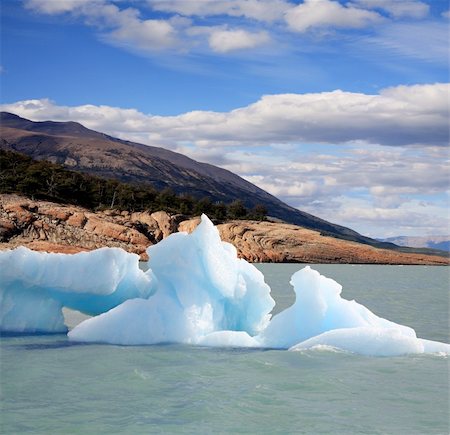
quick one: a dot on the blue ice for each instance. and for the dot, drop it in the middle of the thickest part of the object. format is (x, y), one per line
(195, 291)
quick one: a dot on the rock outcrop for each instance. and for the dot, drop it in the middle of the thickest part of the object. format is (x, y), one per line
(47, 226)
(54, 227)
(279, 242)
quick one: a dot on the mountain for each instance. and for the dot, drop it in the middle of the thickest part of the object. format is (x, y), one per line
(433, 242)
(79, 148)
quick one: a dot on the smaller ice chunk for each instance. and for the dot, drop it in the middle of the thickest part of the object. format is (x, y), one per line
(365, 341)
(95, 272)
(34, 286)
(318, 308)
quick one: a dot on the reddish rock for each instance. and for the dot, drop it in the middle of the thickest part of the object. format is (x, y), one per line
(7, 224)
(19, 212)
(53, 227)
(165, 223)
(189, 225)
(61, 213)
(278, 242)
(77, 219)
(114, 231)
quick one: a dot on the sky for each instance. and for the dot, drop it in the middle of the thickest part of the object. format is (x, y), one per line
(339, 108)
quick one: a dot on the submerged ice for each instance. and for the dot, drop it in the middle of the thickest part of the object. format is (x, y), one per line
(195, 291)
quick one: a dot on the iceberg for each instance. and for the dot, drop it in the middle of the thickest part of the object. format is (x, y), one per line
(34, 286)
(195, 291)
(203, 288)
(319, 308)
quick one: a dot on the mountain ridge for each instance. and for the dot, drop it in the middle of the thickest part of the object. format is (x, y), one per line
(434, 242)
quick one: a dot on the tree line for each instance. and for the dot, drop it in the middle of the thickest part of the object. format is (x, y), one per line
(40, 179)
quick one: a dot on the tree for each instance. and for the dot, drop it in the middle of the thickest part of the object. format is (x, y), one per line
(236, 210)
(186, 204)
(258, 212)
(219, 210)
(166, 199)
(204, 205)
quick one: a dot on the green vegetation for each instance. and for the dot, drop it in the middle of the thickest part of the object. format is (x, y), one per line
(40, 179)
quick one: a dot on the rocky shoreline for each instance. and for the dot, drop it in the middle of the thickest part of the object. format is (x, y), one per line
(51, 227)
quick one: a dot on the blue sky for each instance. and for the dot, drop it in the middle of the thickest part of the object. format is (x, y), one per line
(338, 108)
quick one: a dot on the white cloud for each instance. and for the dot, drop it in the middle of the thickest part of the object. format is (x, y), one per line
(413, 218)
(394, 172)
(327, 13)
(146, 35)
(223, 41)
(372, 188)
(223, 26)
(125, 27)
(283, 187)
(376, 190)
(122, 27)
(57, 6)
(446, 14)
(260, 10)
(403, 115)
(397, 8)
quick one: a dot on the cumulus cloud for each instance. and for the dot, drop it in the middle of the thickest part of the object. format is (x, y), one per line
(338, 183)
(223, 41)
(380, 173)
(223, 26)
(148, 34)
(282, 188)
(125, 27)
(327, 13)
(53, 7)
(403, 115)
(413, 218)
(122, 27)
(377, 190)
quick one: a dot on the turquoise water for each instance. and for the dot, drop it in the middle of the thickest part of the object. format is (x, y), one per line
(50, 386)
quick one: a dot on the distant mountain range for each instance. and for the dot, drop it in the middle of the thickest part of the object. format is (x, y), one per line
(433, 242)
(81, 149)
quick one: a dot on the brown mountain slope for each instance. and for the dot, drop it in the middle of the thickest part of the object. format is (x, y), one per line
(47, 226)
(79, 148)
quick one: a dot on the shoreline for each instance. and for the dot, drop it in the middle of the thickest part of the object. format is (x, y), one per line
(62, 228)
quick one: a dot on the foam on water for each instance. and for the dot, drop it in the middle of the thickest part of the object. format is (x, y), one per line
(195, 291)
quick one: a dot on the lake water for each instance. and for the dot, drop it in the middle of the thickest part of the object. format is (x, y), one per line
(50, 386)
